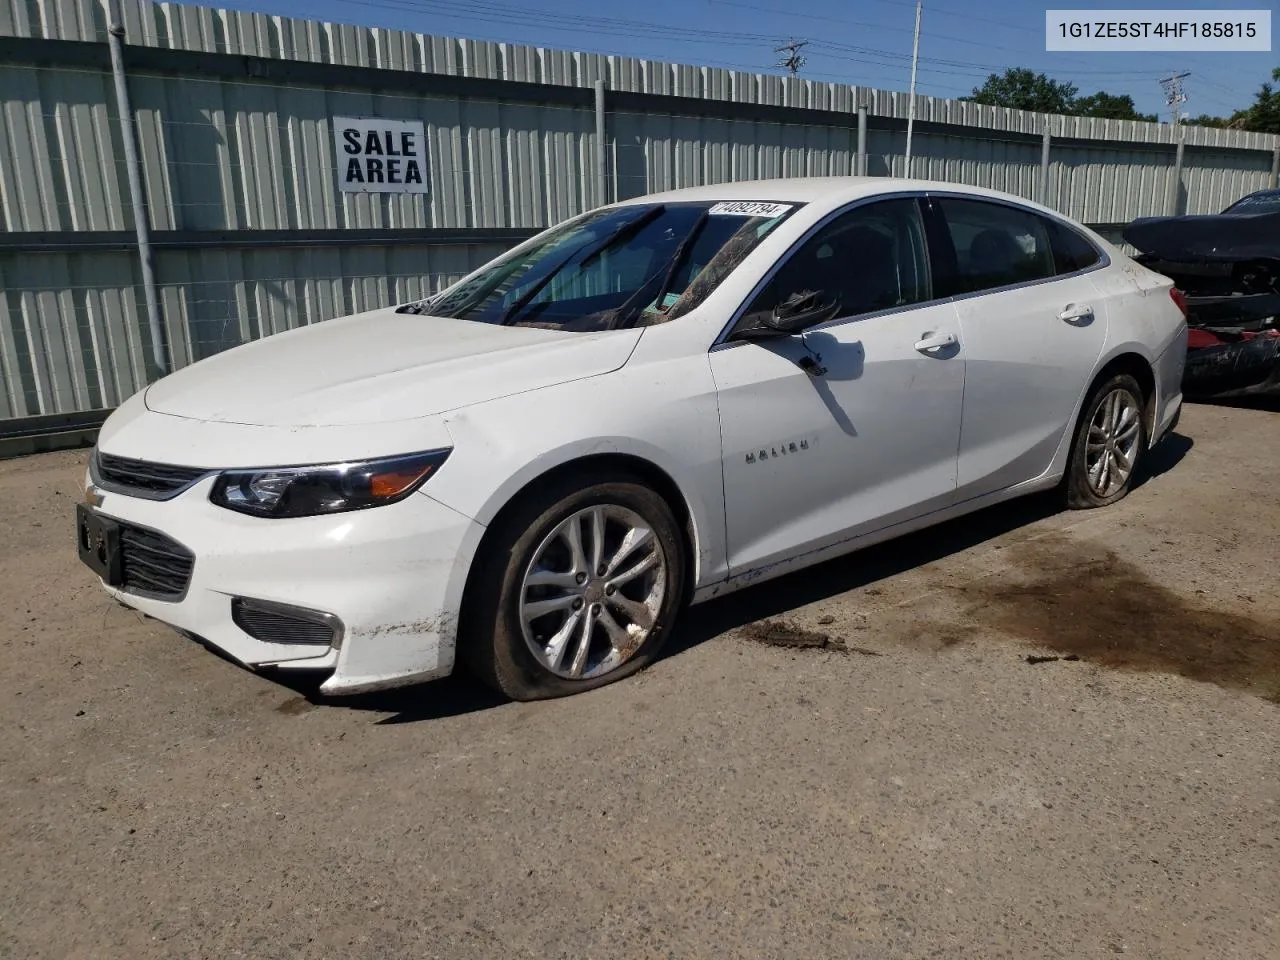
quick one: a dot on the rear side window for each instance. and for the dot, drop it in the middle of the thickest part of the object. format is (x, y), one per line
(995, 245)
(1071, 251)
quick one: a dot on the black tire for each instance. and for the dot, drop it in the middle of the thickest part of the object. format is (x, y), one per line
(1080, 494)
(492, 642)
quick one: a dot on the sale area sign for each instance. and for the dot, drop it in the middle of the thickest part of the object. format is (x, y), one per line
(380, 156)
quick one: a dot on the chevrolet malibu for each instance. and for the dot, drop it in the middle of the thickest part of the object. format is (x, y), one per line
(657, 402)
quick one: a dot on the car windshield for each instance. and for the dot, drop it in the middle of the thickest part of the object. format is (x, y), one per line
(616, 267)
(1257, 203)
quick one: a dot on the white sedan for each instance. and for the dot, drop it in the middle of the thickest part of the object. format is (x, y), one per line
(649, 405)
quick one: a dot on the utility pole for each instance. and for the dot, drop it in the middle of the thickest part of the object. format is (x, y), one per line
(911, 106)
(793, 61)
(1174, 98)
(137, 192)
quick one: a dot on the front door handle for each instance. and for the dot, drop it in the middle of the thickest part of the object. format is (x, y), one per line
(936, 341)
(1076, 311)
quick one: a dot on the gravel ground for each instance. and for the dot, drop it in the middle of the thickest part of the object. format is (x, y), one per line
(856, 761)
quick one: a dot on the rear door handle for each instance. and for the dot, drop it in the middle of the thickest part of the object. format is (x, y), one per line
(936, 341)
(1076, 311)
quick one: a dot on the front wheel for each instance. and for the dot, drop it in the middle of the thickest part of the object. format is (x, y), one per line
(577, 587)
(1109, 444)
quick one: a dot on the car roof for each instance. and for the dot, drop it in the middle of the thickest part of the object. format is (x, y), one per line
(833, 190)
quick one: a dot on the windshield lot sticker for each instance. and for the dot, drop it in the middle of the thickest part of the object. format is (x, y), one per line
(749, 208)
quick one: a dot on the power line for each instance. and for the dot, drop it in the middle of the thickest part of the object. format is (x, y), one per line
(879, 26)
(487, 11)
(959, 14)
(996, 68)
(491, 12)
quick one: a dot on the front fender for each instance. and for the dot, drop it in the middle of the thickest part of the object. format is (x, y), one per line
(502, 447)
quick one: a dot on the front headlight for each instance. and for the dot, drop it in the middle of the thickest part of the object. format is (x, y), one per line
(330, 488)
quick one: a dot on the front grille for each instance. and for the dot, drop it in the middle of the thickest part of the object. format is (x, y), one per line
(141, 478)
(279, 623)
(153, 564)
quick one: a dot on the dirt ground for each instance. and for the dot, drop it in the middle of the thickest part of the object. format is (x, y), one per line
(1024, 734)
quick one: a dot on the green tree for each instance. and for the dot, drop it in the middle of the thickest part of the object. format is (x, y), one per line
(1204, 120)
(1264, 115)
(1109, 106)
(1024, 89)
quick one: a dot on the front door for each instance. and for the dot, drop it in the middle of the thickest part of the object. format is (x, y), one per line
(853, 425)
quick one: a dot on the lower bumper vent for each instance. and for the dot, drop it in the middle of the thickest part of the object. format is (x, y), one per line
(153, 564)
(281, 623)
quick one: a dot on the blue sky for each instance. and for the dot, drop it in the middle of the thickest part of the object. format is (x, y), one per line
(864, 41)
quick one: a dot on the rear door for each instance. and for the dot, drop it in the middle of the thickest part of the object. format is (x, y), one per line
(1033, 325)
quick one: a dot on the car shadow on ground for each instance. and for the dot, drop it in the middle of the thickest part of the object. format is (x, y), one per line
(868, 566)
(460, 694)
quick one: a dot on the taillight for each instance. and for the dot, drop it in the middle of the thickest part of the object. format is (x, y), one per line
(1180, 299)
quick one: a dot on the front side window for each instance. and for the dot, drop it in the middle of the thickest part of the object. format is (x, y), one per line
(995, 245)
(871, 258)
(611, 268)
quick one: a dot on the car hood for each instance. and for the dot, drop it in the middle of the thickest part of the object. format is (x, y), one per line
(381, 366)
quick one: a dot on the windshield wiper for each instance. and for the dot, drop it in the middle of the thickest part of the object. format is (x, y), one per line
(677, 258)
(622, 313)
(619, 233)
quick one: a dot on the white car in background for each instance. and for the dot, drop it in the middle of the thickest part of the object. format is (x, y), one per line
(652, 404)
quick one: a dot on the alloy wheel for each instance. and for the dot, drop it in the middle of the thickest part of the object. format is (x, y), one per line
(1112, 445)
(591, 594)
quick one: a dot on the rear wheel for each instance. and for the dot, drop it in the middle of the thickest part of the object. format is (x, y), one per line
(577, 587)
(1110, 441)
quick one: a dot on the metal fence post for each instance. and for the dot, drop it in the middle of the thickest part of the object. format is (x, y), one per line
(1175, 184)
(1045, 144)
(1275, 166)
(141, 224)
(602, 173)
(861, 167)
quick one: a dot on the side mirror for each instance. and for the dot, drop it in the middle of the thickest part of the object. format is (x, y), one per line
(800, 311)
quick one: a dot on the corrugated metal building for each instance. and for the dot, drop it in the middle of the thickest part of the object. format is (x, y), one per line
(252, 234)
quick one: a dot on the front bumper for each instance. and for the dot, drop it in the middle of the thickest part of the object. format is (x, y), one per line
(392, 575)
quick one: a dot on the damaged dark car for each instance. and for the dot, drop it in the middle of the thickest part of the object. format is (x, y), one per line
(1228, 267)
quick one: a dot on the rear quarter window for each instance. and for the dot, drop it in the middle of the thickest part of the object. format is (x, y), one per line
(1071, 250)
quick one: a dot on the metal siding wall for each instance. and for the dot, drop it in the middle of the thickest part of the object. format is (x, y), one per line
(997, 164)
(181, 26)
(655, 152)
(1212, 181)
(229, 155)
(243, 155)
(1102, 185)
(73, 335)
